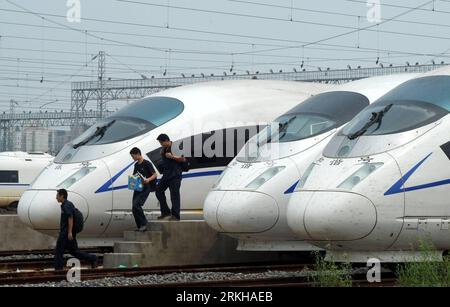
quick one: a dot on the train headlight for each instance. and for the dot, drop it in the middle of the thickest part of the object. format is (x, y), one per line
(362, 173)
(264, 177)
(305, 176)
(76, 177)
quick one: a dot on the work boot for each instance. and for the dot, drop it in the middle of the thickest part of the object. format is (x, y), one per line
(94, 264)
(143, 229)
(164, 217)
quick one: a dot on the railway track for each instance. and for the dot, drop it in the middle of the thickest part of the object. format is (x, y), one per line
(103, 249)
(37, 260)
(89, 274)
(358, 280)
(39, 277)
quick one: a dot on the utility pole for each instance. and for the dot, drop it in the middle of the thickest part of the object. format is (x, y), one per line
(11, 132)
(101, 80)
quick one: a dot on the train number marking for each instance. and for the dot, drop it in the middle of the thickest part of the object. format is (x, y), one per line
(366, 159)
(336, 162)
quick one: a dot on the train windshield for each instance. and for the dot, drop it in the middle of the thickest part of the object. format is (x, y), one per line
(316, 115)
(131, 121)
(414, 104)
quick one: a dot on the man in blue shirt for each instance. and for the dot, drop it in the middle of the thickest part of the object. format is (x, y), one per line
(171, 179)
(67, 237)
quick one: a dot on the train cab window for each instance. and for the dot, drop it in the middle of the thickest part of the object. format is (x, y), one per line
(135, 119)
(433, 89)
(131, 121)
(317, 115)
(9, 177)
(414, 104)
(155, 110)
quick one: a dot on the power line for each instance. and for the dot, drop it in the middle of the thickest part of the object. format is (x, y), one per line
(406, 7)
(128, 44)
(333, 12)
(184, 59)
(223, 33)
(254, 51)
(166, 37)
(287, 20)
(118, 44)
(241, 53)
(346, 33)
(144, 35)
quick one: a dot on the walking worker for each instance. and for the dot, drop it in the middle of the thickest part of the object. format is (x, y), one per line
(171, 179)
(67, 239)
(144, 169)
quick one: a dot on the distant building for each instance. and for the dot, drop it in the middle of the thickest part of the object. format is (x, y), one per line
(17, 139)
(41, 139)
(57, 140)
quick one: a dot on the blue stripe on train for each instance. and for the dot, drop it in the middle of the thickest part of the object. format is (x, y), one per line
(107, 185)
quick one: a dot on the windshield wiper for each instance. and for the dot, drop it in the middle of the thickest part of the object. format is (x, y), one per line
(281, 129)
(377, 117)
(99, 132)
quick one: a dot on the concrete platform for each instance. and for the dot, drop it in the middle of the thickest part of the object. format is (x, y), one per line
(181, 243)
(14, 236)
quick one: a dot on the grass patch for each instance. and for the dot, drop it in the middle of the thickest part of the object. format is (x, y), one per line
(427, 271)
(330, 273)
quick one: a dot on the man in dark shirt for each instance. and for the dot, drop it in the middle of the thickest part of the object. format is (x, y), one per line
(171, 179)
(67, 237)
(144, 169)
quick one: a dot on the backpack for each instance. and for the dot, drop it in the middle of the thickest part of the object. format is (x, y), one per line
(78, 222)
(185, 166)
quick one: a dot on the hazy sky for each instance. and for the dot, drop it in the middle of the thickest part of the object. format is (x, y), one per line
(209, 36)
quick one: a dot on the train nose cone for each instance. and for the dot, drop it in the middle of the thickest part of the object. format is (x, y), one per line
(240, 211)
(210, 206)
(331, 215)
(24, 206)
(40, 210)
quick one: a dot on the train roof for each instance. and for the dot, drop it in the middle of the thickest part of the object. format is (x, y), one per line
(235, 98)
(443, 71)
(375, 87)
(25, 155)
(240, 89)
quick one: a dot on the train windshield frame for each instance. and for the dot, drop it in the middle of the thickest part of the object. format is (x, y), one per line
(412, 105)
(129, 122)
(316, 115)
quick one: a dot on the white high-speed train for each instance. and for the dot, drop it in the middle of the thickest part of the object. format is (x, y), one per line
(17, 171)
(382, 184)
(94, 168)
(250, 199)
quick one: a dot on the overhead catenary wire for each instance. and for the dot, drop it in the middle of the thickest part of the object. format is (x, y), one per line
(406, 7)
(348, 33)
(323, 24)
(199, 31)
(335, 13)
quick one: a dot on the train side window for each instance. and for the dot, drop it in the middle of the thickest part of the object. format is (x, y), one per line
(240, 136)
(155, 157)
(197, 157)
(446, 149)
(9, 176)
